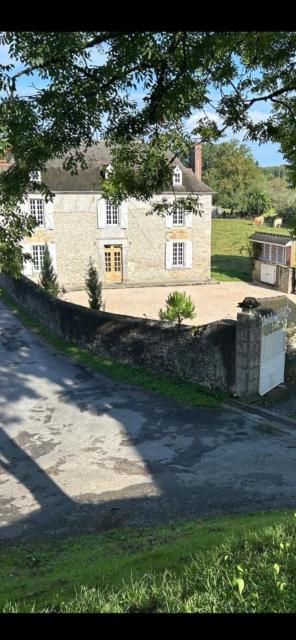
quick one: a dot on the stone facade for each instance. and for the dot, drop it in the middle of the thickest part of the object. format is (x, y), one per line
(129, 246)
(77, 237)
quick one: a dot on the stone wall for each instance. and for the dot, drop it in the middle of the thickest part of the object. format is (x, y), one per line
(205, 355)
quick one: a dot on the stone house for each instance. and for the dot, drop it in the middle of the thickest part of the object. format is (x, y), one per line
(274, 260)
(128, 246)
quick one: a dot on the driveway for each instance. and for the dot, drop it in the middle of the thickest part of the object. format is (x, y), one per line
(213, 301)
(80, 452)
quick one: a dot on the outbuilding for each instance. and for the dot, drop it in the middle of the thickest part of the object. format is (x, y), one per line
(274, 260)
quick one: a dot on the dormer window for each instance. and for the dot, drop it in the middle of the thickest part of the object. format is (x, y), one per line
(36, 176)
(177, 177)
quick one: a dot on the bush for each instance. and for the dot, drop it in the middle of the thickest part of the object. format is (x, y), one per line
(94, 287)
(178, 307)
(48, 279)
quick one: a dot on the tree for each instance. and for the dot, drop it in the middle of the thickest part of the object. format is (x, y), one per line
(94, 287)
(232, 173)
(179, 307)
(77, 98)
(258, 202)
(48, 278)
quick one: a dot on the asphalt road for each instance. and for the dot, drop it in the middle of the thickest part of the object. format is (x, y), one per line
(80, 452)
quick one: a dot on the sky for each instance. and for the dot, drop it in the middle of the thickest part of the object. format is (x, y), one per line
(265, 154)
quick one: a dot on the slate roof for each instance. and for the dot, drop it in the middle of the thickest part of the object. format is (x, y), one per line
(90, 179)
(271, 238)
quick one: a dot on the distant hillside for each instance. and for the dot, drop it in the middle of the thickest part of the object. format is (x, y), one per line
(276, 171)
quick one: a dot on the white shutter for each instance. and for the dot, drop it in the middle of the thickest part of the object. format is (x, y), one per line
(188, 218)
(188, 254)
(27, 264)
(25, 206)
(169, 219)
(123, 215)
(101, 213)
(169, 255)
(48, 214)
(52, 253)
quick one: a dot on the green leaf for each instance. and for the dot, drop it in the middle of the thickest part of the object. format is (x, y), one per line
(239, 568)
(276, 568)
(240, 584)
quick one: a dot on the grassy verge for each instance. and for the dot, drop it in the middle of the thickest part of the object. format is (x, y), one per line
(188, 393)
(228, 237)
(240, 563)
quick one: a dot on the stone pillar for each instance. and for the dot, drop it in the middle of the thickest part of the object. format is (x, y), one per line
(248, 346)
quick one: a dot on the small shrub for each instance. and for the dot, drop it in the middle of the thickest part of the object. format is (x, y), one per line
(179, 307)
(48, 279)
(94, 287)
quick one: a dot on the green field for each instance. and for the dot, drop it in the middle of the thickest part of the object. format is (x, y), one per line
(191, 566)
(228, 236)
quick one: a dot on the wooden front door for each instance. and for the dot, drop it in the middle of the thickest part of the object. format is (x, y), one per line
(113, 263)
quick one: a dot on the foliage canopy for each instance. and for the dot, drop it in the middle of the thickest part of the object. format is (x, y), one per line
(86, 87)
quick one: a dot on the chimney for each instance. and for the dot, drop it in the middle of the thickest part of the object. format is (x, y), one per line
(195, 160)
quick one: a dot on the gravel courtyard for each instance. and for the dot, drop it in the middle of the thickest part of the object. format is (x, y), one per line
(213, 301)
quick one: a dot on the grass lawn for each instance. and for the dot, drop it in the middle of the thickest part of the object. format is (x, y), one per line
(192, 566)
(228, 236)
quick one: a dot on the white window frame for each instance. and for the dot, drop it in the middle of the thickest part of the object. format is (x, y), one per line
(36, 176)
(39, 250)
(178, 217)
(37, 210)
(175, 254)
(177, 177)
(114, 209)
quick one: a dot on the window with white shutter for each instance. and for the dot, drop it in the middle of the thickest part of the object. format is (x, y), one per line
(101, 213)
(112, 214)
(188, 254)
(38, 256)
(168, 255)
(178, 254)
(37, 210)
(27, 264)
(48, 214)
(178, 217)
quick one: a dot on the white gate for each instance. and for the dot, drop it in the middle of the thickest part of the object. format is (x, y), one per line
(272, 354)
(268, 273)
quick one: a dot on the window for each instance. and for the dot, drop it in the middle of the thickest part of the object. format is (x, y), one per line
(178, 217)
(36, 176)
(274, 253)
(37, 211)
(178, 254)
(177, 176)
(112, 214)
(38, 256)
